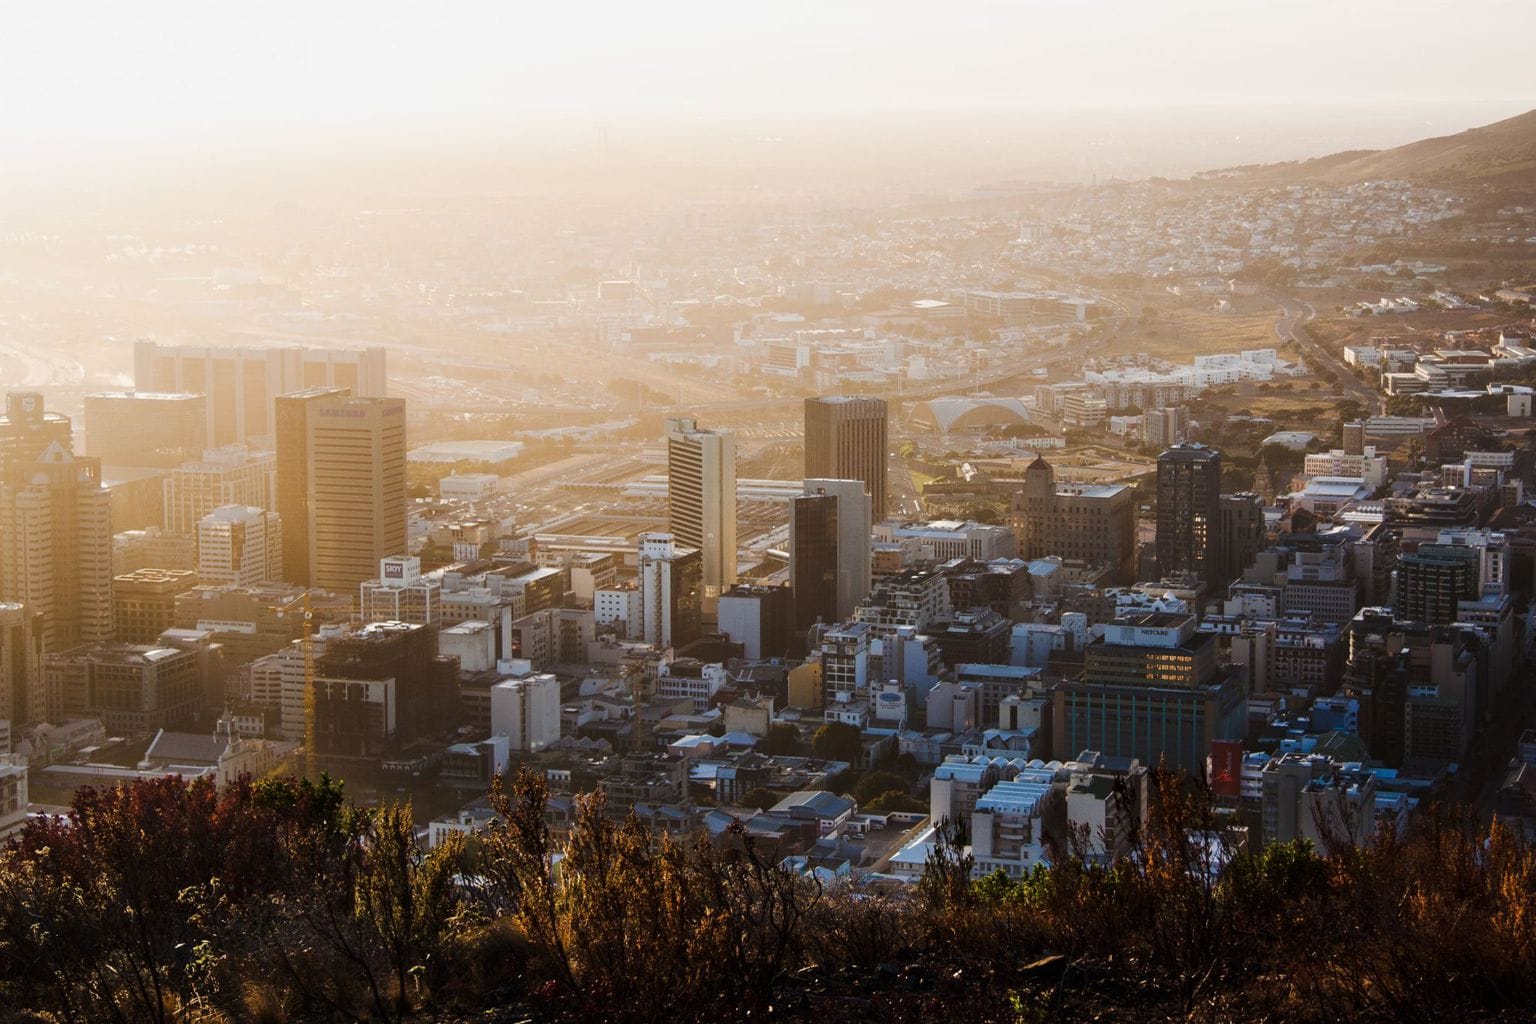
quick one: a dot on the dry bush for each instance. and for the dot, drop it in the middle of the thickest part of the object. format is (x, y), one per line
(628, 925)
(860, 928)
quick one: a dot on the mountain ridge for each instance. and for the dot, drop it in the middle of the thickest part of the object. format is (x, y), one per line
(1499, 154)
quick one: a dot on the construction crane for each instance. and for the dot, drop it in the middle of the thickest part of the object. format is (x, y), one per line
(311, 758)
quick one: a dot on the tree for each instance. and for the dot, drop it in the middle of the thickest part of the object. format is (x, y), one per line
(782, 740)
(838, 741)
(645, 927)
(946, 881)
(877, 783)
(760, 798)
(894, 801)
(405, 900)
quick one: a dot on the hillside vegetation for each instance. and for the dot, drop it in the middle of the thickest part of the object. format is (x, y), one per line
(277, 901)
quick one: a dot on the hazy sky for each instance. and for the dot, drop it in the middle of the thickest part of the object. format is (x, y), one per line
(152, 69)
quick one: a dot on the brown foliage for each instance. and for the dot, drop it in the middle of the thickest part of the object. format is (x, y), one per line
(276, 902)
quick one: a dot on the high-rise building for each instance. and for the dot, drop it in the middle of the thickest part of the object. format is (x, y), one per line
(1152, 689)
(242, 384)
(27, 429)
(829, 550)
(377, 689)
(671, 590)
(759, 618)
(1189, 512)
(233, 475)
(133, 688)
(240, 545)
(1166, 427)
(918, 598)
(701, 500)
(1092, 524)
(340, 485)
(845, 439)
(56, 545)
(1434, 580)
(145, 428)
(293, 475)
(23, 695)
(401, 593)
(527, 711)
(144, 603)
(845, 658)
(1242, 534)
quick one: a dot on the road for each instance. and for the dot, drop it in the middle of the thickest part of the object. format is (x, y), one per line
(948, 386)
(1292, 326)
(902, 497)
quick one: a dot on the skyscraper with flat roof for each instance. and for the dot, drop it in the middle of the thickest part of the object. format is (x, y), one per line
(233, 475)
(240, 545)
(340, 485)
(829, 552)
(845, 439)
(242, 384)
(1433, 581)
(56, 545)
(1189, 512)
(23, 697)
(671, 590)
(26, 428)
(701, 500)
(145, 428)
(1242, 534)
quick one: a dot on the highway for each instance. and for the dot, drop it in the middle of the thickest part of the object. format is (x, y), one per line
(1292, 326)
(937, 389)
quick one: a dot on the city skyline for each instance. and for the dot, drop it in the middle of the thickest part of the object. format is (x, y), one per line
(606, 514)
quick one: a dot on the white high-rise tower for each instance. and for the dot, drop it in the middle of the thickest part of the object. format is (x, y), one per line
(701, 512)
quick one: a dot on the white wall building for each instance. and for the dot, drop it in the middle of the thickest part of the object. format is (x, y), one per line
(620, 607)
(945, 539)
(468, 487)
(401, 593)
(233, 475)
(240, 545)
(1368, 466)
(527, 711)
(701, 499)
(13, 795)
(689, 679)
(472, 642)
(670, 590)
(1006, 824)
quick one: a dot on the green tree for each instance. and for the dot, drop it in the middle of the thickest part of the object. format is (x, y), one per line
(876, 783)
(838, 741)
(782, 740)
(405, 900)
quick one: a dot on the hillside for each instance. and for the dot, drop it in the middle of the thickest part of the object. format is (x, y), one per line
(1502, 153)
(173, 902)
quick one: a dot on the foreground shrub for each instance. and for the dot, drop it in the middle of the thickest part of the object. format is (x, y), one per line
(276, 901)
